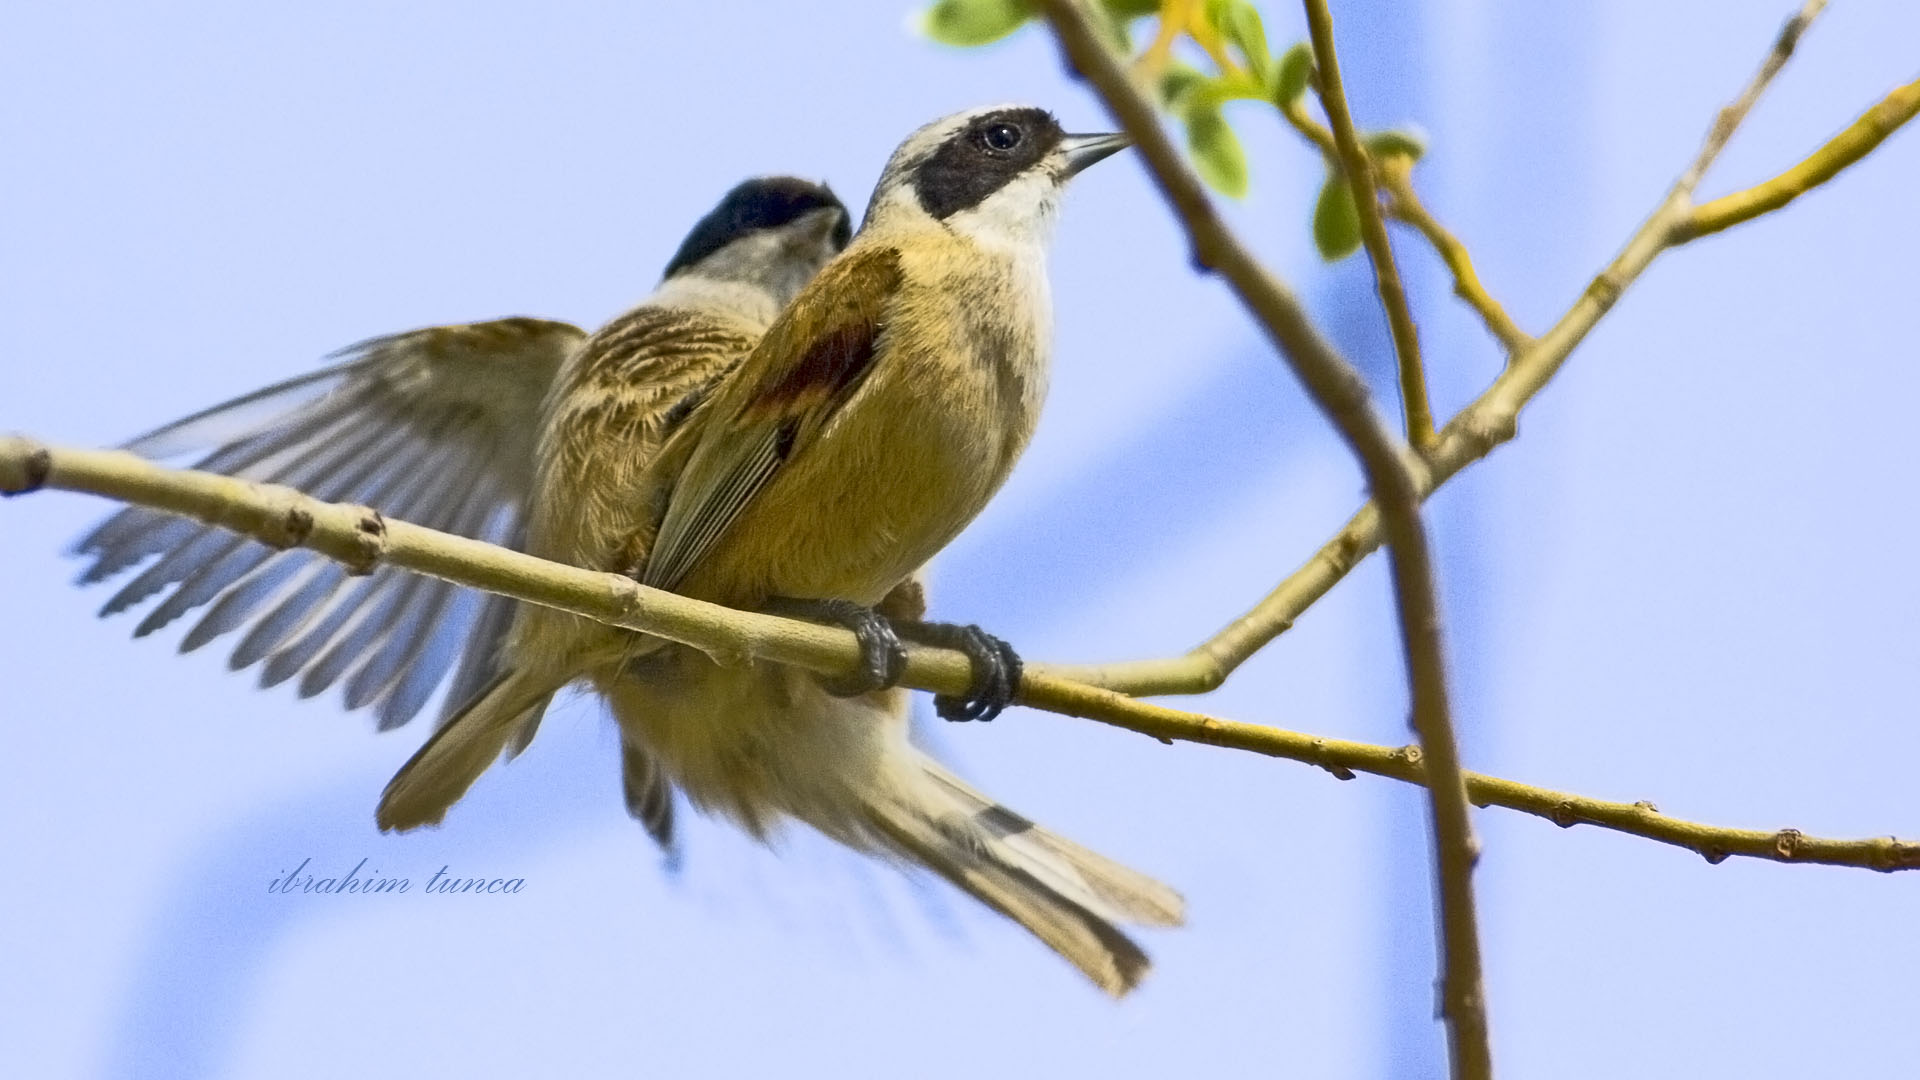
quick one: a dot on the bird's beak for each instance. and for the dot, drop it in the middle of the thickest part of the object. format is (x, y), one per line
(1081, 151)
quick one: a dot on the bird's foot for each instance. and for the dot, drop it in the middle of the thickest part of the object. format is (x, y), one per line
(996, 668)
(882, 658)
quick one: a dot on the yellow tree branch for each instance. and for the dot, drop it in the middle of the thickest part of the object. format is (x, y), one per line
(1393, 473)
(1310, 129)
(1733, 114)
(1396, 176)
(1857, 141)
(1490, 420)
(1393, 177)
(1359, 171)
(1343, 758)
(361, 539)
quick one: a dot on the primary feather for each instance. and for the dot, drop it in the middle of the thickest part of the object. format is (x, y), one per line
(433, 426)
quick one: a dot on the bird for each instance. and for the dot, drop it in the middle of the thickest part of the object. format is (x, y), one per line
(876, 417)
(441, 426)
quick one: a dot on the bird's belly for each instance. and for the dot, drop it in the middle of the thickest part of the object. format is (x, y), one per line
(758, 741)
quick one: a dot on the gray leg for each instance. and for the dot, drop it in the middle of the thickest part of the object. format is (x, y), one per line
(996, 668)
(882, 657)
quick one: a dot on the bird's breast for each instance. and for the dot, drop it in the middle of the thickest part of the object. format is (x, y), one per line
(917, 451)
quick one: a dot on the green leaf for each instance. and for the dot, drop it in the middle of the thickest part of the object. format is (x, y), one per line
(1214, 13)
(1336, 220)
(1177, 83)
(1396, 142)
(1215, 148)
(1241, 25)
(973, 22)
(1292, 73)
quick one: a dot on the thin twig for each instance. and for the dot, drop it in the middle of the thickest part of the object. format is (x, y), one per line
(1489, 421)
(1396, 176)
(1311, 130)
(1855, 142)
(1358, 168)
(361, 539)
(1045, 688)
(1393, 474)
(1730, 118)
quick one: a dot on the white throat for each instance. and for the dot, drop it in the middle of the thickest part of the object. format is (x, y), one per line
(751, 303)
(1018, 216)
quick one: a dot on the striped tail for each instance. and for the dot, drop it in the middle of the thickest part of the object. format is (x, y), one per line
(1068, 897)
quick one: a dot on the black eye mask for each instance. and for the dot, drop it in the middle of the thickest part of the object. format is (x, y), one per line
(977, 160)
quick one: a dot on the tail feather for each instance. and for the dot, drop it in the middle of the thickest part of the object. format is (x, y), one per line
(648, 792)
(1119, 892)
(1065, 895)
(435, 778)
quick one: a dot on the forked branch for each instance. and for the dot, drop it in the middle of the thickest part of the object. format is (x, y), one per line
(361, 539)
(1394, 474)
(1493, 417)
(1362, 182)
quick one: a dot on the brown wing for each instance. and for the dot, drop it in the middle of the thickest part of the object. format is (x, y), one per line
(627, 389)
(434, 426)
(597, 493)
(810, 362)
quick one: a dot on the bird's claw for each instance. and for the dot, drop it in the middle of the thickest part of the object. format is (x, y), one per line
(883, 659)
(996, 670)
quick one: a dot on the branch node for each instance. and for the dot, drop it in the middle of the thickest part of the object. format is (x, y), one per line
(1489, 428)
(1604, 291)
(1646, 807)
(370, 542)
(1564, 815)
(294, 528)
(1893, 854)
(1347, 550)
(737, 648)
(1787, 842)
(36, 463)
(1714, 854)
(1795, 26)
(34, 471)
(1339, 771)
(1212, 671)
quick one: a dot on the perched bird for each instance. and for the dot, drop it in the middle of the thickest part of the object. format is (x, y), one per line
(440, 427)
(873, 421)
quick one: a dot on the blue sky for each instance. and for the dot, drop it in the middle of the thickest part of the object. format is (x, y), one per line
(1687, 580)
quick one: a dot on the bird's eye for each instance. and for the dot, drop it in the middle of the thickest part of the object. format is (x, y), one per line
(1001, 137)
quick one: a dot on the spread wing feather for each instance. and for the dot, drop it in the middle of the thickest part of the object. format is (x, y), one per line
(434, 426)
